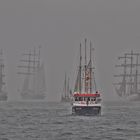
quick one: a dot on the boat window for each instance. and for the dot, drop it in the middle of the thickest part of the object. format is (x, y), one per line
(80, 98)
(76, 99)
(85, 99)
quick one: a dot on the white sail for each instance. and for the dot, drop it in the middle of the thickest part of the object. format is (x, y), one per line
(3, 93)
(128, 87)
(35, 85)
(25, 84)
(41, 83)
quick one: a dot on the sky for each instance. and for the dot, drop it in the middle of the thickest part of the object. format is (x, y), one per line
(59, 26)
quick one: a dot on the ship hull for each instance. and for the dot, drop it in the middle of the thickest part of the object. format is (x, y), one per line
(134, 97)
(86, 110)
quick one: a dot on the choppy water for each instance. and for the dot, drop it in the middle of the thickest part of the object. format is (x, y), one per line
(53, 121)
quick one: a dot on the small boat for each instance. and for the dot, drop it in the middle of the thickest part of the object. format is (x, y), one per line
(86, 99)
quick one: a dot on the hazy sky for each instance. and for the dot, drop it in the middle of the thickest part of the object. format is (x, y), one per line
(59, 26)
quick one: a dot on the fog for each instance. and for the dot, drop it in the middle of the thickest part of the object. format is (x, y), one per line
(59, 26)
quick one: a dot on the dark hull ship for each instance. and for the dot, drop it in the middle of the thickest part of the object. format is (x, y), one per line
(3, 93)
(34, 85)
(86, 97)
(128, 87)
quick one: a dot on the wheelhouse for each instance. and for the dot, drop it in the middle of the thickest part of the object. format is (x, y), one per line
(87, 98)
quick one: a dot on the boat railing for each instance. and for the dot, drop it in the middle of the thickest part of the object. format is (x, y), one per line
(86, 102)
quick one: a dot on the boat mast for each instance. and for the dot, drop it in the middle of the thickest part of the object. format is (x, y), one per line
(95, 86)
(124, 75)
(80, 67)
(131, 66)
(136, 74)
(68, 89)
(90, 67)
(136, 78)
(65, 88)
(39, 56)
(85, 66)
(29, 62)
(1, 71)
(124, 78)
(34, 60)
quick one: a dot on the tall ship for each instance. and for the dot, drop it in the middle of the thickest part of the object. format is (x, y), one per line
(128, 86)
(34, 84)
(66, 93)
(3, 93)
(86, 98)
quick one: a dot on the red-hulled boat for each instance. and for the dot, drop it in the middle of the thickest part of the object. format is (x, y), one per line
(86, 100)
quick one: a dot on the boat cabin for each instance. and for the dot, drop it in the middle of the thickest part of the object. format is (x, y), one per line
(87, 98)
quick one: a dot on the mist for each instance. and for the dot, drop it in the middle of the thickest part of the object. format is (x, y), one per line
(59, 26)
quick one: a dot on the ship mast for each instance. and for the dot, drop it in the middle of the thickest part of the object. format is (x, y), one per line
(1, 71)
(85, 67)
(39, 56)
(80, 68)
(135, 85)
(131, 71)
(30, 64)
(65, 84)
(136, 77)
(95, 87)
(125, 75)
(68, 88)
(34, 60)
(90, 67)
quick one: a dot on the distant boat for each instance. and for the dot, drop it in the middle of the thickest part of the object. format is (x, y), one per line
(66, 94)
(86, 97)
(3, 93)
(34, 85)
(128, 88)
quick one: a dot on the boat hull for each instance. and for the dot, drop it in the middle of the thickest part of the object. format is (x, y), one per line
(86, 110)
(133, 97)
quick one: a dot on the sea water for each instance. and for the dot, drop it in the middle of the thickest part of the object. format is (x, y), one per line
(53, 121)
